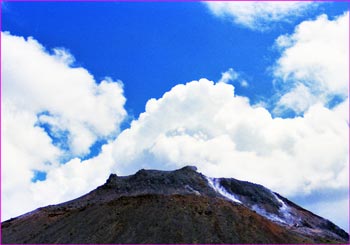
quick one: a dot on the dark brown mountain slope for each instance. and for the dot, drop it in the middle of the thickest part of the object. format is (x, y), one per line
(181, 206)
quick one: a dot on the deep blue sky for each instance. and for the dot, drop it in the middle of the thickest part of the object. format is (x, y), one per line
(153, 46)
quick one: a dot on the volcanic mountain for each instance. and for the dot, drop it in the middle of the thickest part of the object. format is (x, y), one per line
(181, 206)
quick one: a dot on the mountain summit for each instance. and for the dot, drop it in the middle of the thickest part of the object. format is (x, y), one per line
(181, 206)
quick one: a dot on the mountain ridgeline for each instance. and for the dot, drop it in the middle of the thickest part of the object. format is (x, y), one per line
(181, 206)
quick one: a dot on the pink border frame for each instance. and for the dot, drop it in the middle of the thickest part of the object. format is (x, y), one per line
(155, 1)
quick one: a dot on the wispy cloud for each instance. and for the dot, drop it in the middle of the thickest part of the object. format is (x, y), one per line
(258, 15)
(231, 76)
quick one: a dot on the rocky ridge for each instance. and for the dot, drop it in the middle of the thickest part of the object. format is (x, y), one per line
(181, 206)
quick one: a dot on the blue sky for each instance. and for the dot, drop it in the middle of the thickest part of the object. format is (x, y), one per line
(125, 54)
(148, 48)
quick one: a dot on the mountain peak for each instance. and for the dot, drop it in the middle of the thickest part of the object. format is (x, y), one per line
(180, 206)
(183, 181)
(189, 168)
(112, 179)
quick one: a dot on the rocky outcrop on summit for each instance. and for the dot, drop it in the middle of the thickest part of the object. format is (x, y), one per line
(182, 181)
(181, 206)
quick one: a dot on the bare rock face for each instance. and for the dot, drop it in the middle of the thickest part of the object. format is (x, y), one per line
(181, 206)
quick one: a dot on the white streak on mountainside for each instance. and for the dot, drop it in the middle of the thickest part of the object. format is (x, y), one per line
(215, 184)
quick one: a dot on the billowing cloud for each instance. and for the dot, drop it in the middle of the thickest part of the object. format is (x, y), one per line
(258, 15)
(204, 123)
(51, 110)
(299, 99)
(314, 63)
(57, 94)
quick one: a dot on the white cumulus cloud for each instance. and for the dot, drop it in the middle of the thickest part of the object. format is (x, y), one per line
(38, 89)
(37, 82)
(298, 98)
(314, 63)
(205, 124)
(257, 15)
